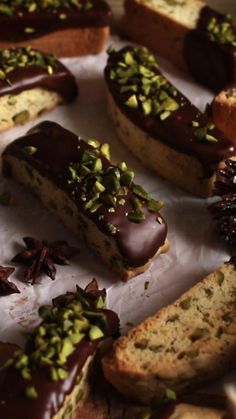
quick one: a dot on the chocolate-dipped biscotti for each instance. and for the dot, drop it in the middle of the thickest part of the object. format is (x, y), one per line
(196, 38)
(30, 83)
(65, 27)
(160, 125)
(182, 346)
(49, 378)
(94, 198)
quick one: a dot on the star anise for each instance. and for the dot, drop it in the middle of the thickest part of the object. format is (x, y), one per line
(41, 257)
(224, 211)
(7, 287)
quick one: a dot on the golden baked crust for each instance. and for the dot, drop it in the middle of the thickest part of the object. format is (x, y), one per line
(180, 347)
(85, 41)
(224, 113)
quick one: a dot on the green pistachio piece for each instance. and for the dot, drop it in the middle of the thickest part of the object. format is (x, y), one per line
(95, 333)
(100, 303)
(170, 394)
(132, 102)
(76, 338)
(98, 187)
(164, 115)
(211, 138)
(186, 304)
(147, 107)
(154, 205)
(94, 143)
(126, 178)
(105, 150)
(138, 190)
(195, 124)
(170, 104)
(67, 348)
(62, 374)
(136, 216)
(122, 166)
(220, 278)
(131, 88)
(136, 203)
(128, 58)
(30, 150)
(81, 324)
(21, 117)
(31, 392)
(199, 333)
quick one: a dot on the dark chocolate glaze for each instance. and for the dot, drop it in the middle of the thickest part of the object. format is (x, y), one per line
(24, 78)
(177, 130)
(56, 149)
(13, 403)
(211, 63)
(12, 28)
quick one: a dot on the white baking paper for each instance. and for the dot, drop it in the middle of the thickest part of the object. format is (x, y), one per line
(195, 249)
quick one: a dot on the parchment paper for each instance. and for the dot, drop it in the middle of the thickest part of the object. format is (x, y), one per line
(195, 248)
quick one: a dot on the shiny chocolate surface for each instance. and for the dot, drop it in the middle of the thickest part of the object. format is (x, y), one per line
(57, 148)
(22, 24)
(27, 77)
(177, 130)
(211, 63)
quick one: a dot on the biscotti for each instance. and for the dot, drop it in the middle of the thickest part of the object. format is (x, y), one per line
(197, 39)
(49, 378)
(182, 346)
(159, 125)
(97, 200)
(190, 34)
(30, 83)
(66, 28)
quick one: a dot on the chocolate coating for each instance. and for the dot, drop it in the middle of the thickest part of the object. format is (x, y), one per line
(51, 394)
(25, 78)
(57, 148)
(12, 28)
(211, 63)
(177, 130)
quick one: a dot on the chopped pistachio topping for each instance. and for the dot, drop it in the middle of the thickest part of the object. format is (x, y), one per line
(221, 31)
(201, 133)
(9, 7)
(170, 394)
(97, 184)
(142, 86)
(13, 58)
(30, 150)
(71, 318)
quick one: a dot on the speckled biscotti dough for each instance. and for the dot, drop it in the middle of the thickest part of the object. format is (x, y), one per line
(194, 37)
(159, 125)
(182, 346)
(31, 83)
(50, 377)
(177, 410)
(97, 200)
(66, 28)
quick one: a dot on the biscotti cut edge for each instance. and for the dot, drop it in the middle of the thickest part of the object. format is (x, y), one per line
(162, 26)
(85, 41)
(23, 107)
(182, 346)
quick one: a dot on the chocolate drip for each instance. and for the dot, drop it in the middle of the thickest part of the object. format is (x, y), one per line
(14, 27)
(211, 63)
(177, 130)
(29, 77)
(57, 148)
(52, 394)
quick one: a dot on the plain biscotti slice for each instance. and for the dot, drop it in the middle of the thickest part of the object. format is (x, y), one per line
(66, 28)
(31, 83)
(159, 125)
(182, 346)
(97, 200)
